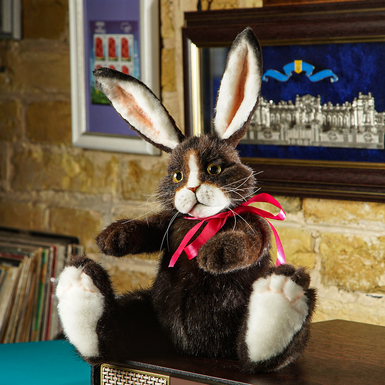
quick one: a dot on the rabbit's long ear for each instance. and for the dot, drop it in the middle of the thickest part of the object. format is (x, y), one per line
(139, 107)
(239, 89)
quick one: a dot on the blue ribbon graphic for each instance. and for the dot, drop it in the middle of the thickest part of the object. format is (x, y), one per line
(299, 66)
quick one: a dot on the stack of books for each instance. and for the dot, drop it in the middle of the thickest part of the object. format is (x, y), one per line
(30, 263)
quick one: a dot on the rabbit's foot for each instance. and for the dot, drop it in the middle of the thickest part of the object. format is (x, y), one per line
(81, 305)
(279, 308)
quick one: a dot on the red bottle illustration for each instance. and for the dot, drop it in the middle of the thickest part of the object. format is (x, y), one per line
(99, 51)
(125, 49)
(112, 49)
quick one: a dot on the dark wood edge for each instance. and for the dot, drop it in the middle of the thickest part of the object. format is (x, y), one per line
(359, 184)
(335, 349)
(286, 28)
(301, 12)
(95, 374)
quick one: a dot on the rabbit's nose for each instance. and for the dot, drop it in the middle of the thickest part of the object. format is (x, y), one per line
(193, 189)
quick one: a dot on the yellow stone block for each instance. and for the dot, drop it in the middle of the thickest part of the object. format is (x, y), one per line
(84, 224)
(342, 212)
(39, 168)
(223, 4)
(291, 205)
(49, 122)
(139, 182)
(297, 244)
(250, 3)
(22, 215)
(167, 16)
(124, 281)
(168, 76)
(3, 166)
(135, 210)
(372, 312)
(353, 262)
(37, 66)
(45, 19)
(10, 120)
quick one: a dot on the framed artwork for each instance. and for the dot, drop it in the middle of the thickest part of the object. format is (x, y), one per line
(10, 19)
(319, 126)
(119, 34)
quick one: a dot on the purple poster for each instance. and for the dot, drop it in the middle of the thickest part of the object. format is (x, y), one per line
(112, 39)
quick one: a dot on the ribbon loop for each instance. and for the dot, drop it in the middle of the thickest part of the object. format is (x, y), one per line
(216, 222)
(208, 232)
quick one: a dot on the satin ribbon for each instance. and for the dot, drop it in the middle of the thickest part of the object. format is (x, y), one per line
(216, 222)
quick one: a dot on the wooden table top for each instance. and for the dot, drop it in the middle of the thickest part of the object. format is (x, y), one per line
(339, 352)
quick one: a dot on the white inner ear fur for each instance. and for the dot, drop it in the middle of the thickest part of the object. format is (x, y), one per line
(138, 106)
(242, 71)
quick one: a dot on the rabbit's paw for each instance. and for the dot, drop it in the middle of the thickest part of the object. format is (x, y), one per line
(278, 310)
(224, 253)
(80, 307)
(117, 239)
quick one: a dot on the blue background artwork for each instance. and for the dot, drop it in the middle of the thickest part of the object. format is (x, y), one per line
(360, 68)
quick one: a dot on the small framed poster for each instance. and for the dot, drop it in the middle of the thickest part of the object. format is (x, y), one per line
(119, 34)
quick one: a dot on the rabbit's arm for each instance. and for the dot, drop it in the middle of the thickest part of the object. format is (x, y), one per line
(233, 249)
(134, 236)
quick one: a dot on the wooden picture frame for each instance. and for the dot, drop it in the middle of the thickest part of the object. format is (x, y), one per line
(96, 125)
(336, 177)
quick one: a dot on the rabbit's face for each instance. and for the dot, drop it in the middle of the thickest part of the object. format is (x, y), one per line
(205, 177)
(205, 174)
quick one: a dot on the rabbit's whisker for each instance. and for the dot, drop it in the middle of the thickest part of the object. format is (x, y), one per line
(236, 192)
(246, 178)
(235, 219)
(139, 217)
(165, 236)
(247, 223)
(252, 193)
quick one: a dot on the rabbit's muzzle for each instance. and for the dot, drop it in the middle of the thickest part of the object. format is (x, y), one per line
(199, 199)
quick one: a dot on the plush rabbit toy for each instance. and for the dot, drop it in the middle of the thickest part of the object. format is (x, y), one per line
(221, 297)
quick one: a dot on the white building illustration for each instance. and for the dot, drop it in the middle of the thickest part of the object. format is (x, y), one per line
(308, 123)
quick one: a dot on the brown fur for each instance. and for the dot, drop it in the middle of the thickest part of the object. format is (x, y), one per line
(199, 306)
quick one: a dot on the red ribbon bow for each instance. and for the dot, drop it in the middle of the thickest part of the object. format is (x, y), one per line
(216, 222)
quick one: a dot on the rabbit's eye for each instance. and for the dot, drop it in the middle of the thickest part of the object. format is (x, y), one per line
(214, 169)
(177, 177)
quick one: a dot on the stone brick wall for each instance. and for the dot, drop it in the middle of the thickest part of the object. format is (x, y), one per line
(46, 184)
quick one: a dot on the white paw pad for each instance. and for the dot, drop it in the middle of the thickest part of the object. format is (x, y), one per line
(277, 311)
(80, 307)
